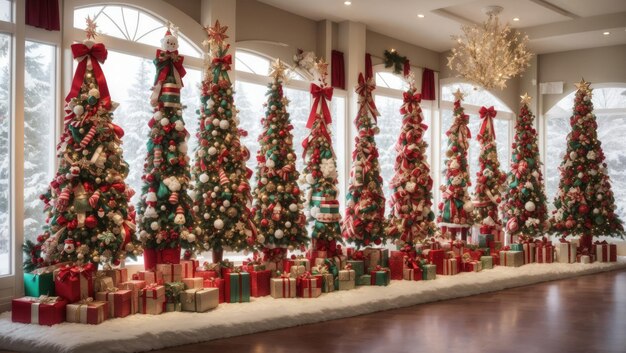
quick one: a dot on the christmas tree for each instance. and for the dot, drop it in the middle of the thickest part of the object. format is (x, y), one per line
(364, 223)
(455, 210)
(165, 218)
(524, 208)
(320, 171)
(89, 219)
(584, 203)
(221, 194)
(412, 217)
(489, 179)
(277, 208)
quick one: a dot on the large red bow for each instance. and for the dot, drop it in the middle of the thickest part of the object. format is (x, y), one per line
(410, 101)
(177, 63)
(96, 54)
(487, 114)
(226, 61)
(320, 94)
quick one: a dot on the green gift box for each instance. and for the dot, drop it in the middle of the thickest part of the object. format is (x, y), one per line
(484, 240)
(517, 247)
(237, 287)
(328, 282)
(365, 280)
(358, 266)
(37, 284)
(429, 272)
(487, 262)
(380, 278)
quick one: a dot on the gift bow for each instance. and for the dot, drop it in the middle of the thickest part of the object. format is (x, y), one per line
(409, 100)
(364, 89)
(44, 299)
(320, 94)
(348, 267)
(487, 114)
(597, 242)
(166, 61)
(96, 54)
(459, 128)
(210, 266)
(85, 301)
(75, 271)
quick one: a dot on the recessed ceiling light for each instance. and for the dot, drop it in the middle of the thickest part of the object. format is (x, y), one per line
(420, 15)
(606, 33)
(347, 3)
(515, 19)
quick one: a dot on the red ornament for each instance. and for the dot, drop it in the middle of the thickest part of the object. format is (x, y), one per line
(91, 222)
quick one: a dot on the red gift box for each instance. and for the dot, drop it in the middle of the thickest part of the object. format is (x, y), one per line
(207, 274)
(396, 266)
(412, 274)
(604, 251)
(119, 302)
(544, 253)
(74, 283)
(308, 287)
(149, 277)
(189, 268)
(436, 258)
(496, 258)
(216, 283)
(260, 283)
(153, 257)
(39, 311)
(458, 247)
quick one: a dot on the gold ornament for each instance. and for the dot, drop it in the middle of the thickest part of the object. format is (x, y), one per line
(525, 99)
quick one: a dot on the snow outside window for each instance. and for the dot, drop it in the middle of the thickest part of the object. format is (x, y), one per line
(5, 161)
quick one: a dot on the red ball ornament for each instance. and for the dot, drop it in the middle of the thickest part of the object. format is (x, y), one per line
(264, 222)
(91, 222)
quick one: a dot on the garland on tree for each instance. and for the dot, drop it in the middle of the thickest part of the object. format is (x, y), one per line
(455, 210)
(165, 218)
(364, 223)
(412, 218)
(278, 205)
(89, 219)
(524, 209)
(320, 171)
(584, 203)
(489, 179)
(222, 198)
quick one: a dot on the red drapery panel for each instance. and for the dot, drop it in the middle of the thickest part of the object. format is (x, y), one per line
(407, 67)
(43, 14)
(338, 78)
(428, 85)
(369, 71)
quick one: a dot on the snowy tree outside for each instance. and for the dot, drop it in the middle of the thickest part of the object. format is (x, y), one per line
(5, 99)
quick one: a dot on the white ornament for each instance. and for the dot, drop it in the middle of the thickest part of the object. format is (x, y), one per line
(164, 121)
(573, 155)
(212, 151)
(179, 125)
(151, 197)
(224, 124)
(79, 110)
(183, 147)
(216, 122)
(218, 224)
(287, 224)
(94, 93)
(154, 226)
(410, 186)
(207, 216)
(468, 206)
(530, 206)
(278, 234)
(226, 203)
(315, 211)
(270, 163)
(260, 239)
(293, 207)
(210, 103)
(203, 178)
(310, 179)
(264, 181)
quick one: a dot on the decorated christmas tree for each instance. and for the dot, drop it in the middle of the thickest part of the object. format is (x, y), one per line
(277, 208)
(584, 203)
(165, 217)
(87, 203)
(364, 223)
(455, 209)
(412, 217)
(524, 208)
(222, 198)
(320, 171)
(489, 179)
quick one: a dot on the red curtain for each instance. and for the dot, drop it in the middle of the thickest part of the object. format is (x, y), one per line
(43, 14)
(407, 67)
(338, 78)
(428, 85)
(369, 71)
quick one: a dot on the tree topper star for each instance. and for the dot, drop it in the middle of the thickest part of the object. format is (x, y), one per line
(458, 95)
(217, 33)
(91, 28)
(278, 70)
(526, 99)
(582, 85)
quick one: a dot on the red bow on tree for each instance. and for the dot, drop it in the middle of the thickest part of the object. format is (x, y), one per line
(225, 61)
(410, 100)
(320, 94)
(364, 89)
(486, 129)
(96, 54)
(177, 63)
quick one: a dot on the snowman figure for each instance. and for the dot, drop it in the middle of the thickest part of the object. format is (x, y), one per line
(69, 246)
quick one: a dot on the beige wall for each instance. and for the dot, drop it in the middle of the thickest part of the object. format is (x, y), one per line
(377, 43)
(190, 7)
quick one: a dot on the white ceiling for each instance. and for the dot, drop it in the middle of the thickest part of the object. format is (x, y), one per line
(552, 25)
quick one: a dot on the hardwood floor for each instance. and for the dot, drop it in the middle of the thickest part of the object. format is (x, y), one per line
(584, 314)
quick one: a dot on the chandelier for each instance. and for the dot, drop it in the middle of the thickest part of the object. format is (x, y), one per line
(488, 54)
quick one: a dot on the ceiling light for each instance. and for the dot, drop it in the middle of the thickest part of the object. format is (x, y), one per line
(420, 15)
(606, 33)
(347, 3)
(516, 19)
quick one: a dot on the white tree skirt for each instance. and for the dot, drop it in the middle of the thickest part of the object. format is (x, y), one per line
(146, 332)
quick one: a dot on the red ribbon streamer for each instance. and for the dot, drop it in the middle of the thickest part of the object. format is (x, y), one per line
(97, 54)
(320, 94)
(487, 114)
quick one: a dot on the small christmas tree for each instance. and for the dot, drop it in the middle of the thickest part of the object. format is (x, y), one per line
(584, 203)
(412, 218)
(489, 179)
(455, 209)
(222, 197)
(524, 209)
(89, 216)
(165, 218)
(277, 208)
(320, 171)
(364, 223)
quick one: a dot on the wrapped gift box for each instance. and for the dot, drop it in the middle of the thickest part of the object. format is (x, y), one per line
(605, 252)
(119, 302)
(135, 286)
(487, 262)
(226, 267)
(436, 258)
(173, 307)
(302, 262)
(429, 272)
(375, 257)
(566, 252)
(219, 284)
(283, 287)
(457, 247)
(38, 283)
(358, 266)
(328, 282)
(151, 299)
(189, 268)
(396, 267)
(103, 283)
(296, 270)
(516, 247)
(544, 254)
(194, 283)
(149, 277)
(583, 259)
(208, 274)
(365, 280)
(473, 266)
(450, 267)
(200, 300)
(380, 277)
(274, 265)
(308, 287)
(237, 287)
(495, 246)
(484, 240)
(340, 261)
(74, 283)
(171, 272)
(412, 274)
(41, 310)
(260, 283)
(346, 279)
(173, 291)
(119, 275)
(529, 252)
(511, 258)
(87, 312)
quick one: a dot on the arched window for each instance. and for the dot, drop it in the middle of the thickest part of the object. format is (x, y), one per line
(257, 64)
(609, 101)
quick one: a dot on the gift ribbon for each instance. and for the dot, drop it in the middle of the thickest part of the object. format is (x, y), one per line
(221, 65)
(486, 128)
(320, 95)
(85, 55)
(286, 287)
(409, 102)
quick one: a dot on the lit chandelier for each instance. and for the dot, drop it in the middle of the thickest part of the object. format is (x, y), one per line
(489, 55)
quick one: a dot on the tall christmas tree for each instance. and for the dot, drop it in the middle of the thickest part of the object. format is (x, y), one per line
(165, 218)
(87, 203)
(524, 209)
(489, 179)
(584, 203)
(455, 209)
(320, 171)
(222, 197)
(412, 217)
(364, 223)
(277, 208)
